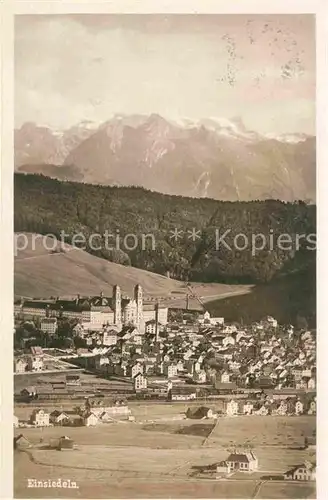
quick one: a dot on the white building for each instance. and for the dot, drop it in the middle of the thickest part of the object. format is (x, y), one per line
(109, 337)
(232, 408)
(90, 419)
(225, 377)
(49, 325)
(248, 408)
(140, 382)
(20, 365)
(40, 418)
(170, 369)
(299, 408)
(35, 363)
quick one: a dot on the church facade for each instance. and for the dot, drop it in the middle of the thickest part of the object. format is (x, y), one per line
(99, 310)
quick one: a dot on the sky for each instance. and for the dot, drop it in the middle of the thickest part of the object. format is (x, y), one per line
(73, 68)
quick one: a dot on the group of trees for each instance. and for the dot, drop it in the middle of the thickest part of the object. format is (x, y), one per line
(28, 334)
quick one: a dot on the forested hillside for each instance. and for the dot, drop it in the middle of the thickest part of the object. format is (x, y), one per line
(45, 205)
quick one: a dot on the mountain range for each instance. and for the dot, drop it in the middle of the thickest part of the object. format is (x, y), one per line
(213, 157)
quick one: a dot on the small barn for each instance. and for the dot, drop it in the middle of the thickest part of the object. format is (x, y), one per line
(21, 442)
(62, 443)
(199, 412)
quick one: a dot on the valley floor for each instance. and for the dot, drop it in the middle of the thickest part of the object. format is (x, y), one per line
(160, 460)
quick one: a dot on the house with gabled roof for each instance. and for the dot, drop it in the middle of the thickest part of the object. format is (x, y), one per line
(21, 442)
(303, 472)
(299, 407)
(90, 419)
(242, 462)
(140, 382)
(282, 408)
(263, 409)
(21, 365)
(312, 407)
(58, 417)
(200, 412)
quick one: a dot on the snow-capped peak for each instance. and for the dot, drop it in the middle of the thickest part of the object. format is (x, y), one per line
(288, 138)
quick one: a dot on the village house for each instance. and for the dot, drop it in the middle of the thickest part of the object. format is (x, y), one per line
(200, 377)
(180, 366)
(20, 365)
(312, 407)
(106, 417)
(248, 408)
(58, 417)
(298, 373)
(225, 377)
(40, 418)
(205, 319)
(29, 391)
(200, 412)
(232, 408)
(299, 407)
(35, 363)
(21, 442)
(181, 393)
(307, 372)
(311, 384)
(140, 382)
(281, 409)
(228, 329)
(101, 361)
(303, 472)
(90, 419)
(262, 410)
(109, 337)
(49, 325)
(151, 327)
(170, 369)
(302, 384)
(239, 462)
(133, 370)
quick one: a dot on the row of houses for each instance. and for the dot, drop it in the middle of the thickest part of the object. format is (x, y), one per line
(290, 406)
(93, 412)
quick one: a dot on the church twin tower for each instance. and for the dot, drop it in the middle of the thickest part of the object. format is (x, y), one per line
(128, 311)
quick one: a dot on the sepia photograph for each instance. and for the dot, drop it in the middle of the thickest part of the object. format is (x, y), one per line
(165, 246)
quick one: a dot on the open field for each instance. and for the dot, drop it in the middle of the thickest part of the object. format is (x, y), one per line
(121, 472)
(286, 490)
(41, 273)
(263, 431)
(144, 460)
(115, 434)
